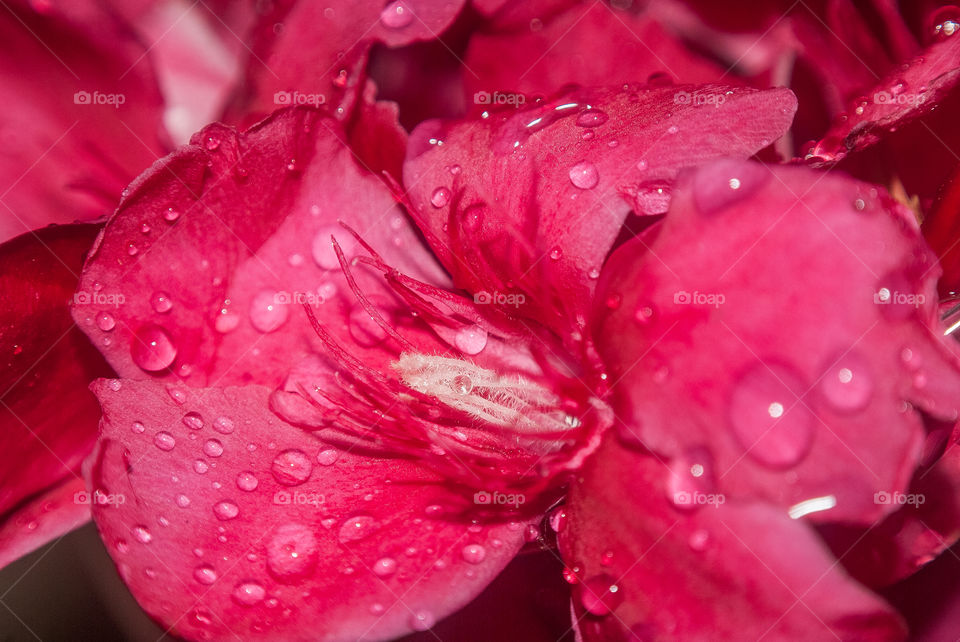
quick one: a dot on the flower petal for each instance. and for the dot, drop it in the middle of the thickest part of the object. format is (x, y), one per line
(48, 418)
(768, 328)
(523, 207)
(730, 570)
(218, 245)
(86, 118)
(225, 521)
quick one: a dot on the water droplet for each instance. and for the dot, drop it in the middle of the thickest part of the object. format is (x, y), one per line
(291, 552)
(212, 143)
(531, 533)
(719, 184)
(600, 594)
(268, 312)
(142, 534)
(193, 420)
(698, 540)
(247, 481)
(291, 467)
(440, 197)
(768, 418)
(164, 441)
(327, 457)
(322, 248)
(556, 253)
(226, 321)
(896, 297)
(183, 501)
(357, 527)
(223, 425)
(945, 22)
(249, 593)
(847, 384)
(137, 427)
(396, 15)
(558, 520)
(226, 510)
(152, 349)
(690, 482)
(584, 175)
(422, 620)
(213, 448)
(161, 302)
(200, 467)
(471, 339)
(592, 118)
(385, 567)
(462, 384)
(570, 575)
(205, 574)
(171, 214)
(474, 553)
(106, 322)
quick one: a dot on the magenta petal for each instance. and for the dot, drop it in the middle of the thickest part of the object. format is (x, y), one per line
(225, 521)
(784, 340)
(724, 571)
(84, 114)
(48, 417)
(217, 247)
(523, 207)
(906, 93)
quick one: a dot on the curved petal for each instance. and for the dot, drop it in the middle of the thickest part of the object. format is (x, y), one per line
(304, 52)
(225, 521)
(728, 570)
(216, 248)
(84, 114)
(48, 418)
(589, 44)
(779, 329)
(523, 207)
(46, 517)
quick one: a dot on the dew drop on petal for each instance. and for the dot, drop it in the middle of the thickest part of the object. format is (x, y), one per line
(327, 457)
(291, 467)
(357, 527)
(161, 302)
(322, 249)
(247, 481)
(249, 593)
(268, 312)
(223, 425)
(584, 175)
(193, 420)
(556, 253)
(462, 384)
(291, 552)
(226, 510)
(205, 574)
(137, 427)
(847, 384)
(213, 448)
(768, 418)
(385, 567)
(396, 15)
(471, 340)
(422, 620)
(474, 553)
(164, 441)
(440, 197)
(720, 184)
(600, 594)
(142, 534)
(152, 349)
(226, 321)
(106, 322)
(200, 467)
(183, 501)
(592, 118)
(558, 520)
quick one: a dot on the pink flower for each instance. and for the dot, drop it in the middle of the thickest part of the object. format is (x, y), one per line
(346, 371)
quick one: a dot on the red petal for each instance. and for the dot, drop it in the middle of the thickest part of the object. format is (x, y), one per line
(592, 44)
(48, 418)
(230, 522)
(69, 145)
(731, 570)
(906, 93)
(304, 52)
(222, 284)
(782, 327)
(527, 204)
(46, 517)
